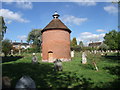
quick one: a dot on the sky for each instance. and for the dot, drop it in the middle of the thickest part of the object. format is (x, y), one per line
(88, 21)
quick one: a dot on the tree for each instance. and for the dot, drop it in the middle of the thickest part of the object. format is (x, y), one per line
(6, 46)
(2, 31)
(35, 37)
(103, 47)
(111, 39)
(73, 42)
(81, 44)
(3, 27)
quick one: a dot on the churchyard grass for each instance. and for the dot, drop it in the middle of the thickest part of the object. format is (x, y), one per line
(74, 73)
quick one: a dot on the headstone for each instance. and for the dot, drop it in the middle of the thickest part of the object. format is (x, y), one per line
(34, 59)
(58, 65)
(19, 52)
(95, 51)
(72, 53)
(6, 82)
(116, 51)
(25, 82)
(11, 52)
(84, 59)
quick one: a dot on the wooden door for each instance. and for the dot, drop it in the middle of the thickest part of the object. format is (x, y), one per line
(50, 56)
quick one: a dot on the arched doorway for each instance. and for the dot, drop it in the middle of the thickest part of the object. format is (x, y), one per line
(50, 56)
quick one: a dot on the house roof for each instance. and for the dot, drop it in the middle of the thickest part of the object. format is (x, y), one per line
(19, 43)
(95, 44)
(56, 24)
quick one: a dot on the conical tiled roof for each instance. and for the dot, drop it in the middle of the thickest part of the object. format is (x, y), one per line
(56, 24)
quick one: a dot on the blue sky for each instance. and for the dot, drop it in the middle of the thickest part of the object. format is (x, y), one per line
(88, 21)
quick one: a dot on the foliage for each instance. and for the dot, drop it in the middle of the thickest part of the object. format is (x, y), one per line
(111, 39)
(2, 26)
(73, 42)
(76, 48)
(81, 44)
(35, 37)
(6, 46)
(34, 49)
(103, 47)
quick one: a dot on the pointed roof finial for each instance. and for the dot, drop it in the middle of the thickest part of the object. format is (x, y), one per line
(56, 15)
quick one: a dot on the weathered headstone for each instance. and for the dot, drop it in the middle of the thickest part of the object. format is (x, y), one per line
(25, 82)
(34, 59)
(84, 59)
(58, 65)
(11, 53)
(72, 53)
(6, 82)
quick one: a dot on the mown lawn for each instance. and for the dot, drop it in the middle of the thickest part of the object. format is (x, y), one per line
(74, 74)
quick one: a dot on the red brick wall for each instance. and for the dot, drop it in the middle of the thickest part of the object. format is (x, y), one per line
(57, 41)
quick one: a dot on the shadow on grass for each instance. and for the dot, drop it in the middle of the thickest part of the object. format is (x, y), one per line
(11, 58)
(113, 70)
(113, 58)
(44, 76)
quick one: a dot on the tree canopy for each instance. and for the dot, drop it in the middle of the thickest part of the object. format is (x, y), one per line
(6, 46)
(74, 42)
(35, 37)
(3, 27)
(81, 44)
(103, 47)
(111, 39)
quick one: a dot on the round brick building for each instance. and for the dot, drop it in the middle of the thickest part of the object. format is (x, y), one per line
(56, 41)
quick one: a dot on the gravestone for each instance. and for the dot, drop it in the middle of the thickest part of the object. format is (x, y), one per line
(72, 53)
(58, 65)
(11, 52)
(34, 59)
(25, 82)
(84, 59)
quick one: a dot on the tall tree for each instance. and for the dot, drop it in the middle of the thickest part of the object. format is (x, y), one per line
(6, 46)
(111, 39)
(35, 37)
(81, 44)
(74, 42)
(2, 31)
(3, 27)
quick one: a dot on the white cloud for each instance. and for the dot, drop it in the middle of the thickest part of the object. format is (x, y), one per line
(61, 0)
(73, 20)
(7, 14)
(8, 21)
(88, 37)
(24, 5)
(23, 37)
(111, 9)
(86, 3)
(100, 30)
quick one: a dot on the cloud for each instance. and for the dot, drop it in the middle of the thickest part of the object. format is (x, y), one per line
(100, 30)
(61, 0)
(24, 5)
(88, 37)
(111, 9)
(8, 21)
(73, 20)
(86, 3)
(23, 37)
(7, 14)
